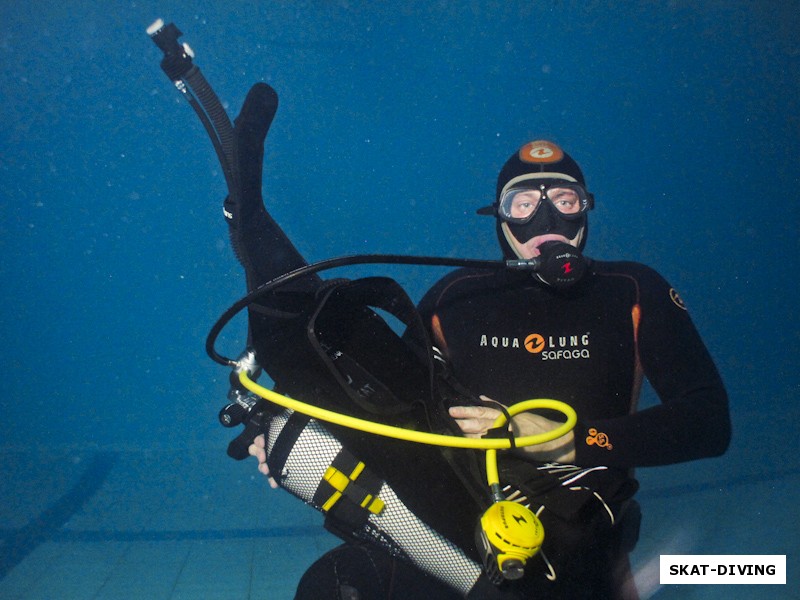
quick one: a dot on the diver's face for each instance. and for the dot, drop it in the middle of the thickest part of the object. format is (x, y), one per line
(530, 248)
(541, 211)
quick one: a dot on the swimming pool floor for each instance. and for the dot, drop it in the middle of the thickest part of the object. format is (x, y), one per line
(170, 524)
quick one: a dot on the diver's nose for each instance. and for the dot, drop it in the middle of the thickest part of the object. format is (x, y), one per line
(550, 220)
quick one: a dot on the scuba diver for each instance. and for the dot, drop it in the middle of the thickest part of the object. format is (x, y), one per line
(586, 332)
(551, 323)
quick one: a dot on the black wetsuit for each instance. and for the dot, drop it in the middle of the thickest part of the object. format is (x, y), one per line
(511, 338)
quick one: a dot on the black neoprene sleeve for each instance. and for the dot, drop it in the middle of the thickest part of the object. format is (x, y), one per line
(692, 421)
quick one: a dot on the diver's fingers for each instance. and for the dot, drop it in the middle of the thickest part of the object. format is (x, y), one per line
(257, 449)
(474, 421)
(264, 469)
(472, 427)
(474, 412)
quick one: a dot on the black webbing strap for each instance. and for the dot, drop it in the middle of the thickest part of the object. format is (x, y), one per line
(287, 438)
(348, 493)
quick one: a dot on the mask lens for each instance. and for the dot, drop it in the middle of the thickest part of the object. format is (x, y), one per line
(567, 199)
(519, 205)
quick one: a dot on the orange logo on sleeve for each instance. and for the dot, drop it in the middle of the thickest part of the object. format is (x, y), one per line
(597, 438)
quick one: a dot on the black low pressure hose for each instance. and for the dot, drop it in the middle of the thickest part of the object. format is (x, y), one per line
(331, 263)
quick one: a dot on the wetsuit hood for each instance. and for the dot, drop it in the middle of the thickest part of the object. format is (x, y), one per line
(543, 163)
(536, 161)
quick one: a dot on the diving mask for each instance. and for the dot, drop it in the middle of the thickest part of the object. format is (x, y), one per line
(518, 205)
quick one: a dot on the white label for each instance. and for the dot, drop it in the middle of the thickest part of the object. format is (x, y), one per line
(723, 568)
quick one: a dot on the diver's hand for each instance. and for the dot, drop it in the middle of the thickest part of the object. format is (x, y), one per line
(475, 421)
(258, 449)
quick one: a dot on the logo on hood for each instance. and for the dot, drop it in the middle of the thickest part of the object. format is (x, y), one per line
(540, 151)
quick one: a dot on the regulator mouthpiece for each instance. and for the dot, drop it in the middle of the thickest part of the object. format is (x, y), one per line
(178, 57)
(560, 265)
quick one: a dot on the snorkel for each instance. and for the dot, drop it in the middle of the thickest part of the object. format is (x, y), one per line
(508, 534)
(189, 81)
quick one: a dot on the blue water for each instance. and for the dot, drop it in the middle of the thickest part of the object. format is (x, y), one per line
(394, 120)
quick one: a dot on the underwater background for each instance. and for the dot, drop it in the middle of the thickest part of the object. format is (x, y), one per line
(394, 120)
